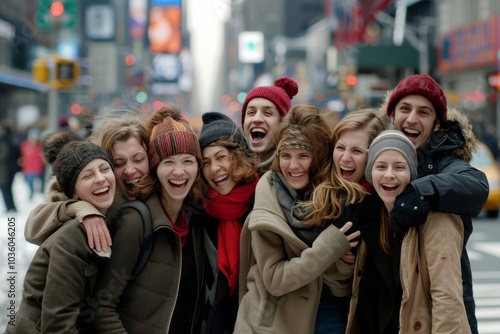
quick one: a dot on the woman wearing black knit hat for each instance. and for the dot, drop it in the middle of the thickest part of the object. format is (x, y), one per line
(229, 170)
(63, 271)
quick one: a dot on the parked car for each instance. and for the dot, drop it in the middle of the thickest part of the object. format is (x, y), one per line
(484, 161)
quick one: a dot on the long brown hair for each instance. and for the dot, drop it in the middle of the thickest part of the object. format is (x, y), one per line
(334, 193)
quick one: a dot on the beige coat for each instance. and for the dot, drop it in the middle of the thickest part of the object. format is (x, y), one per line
(280, 276)
(431, 278)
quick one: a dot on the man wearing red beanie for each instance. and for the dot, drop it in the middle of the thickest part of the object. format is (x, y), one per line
(262, 111)
(446, 182)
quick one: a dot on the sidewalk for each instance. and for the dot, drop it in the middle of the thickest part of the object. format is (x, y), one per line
(15, 252)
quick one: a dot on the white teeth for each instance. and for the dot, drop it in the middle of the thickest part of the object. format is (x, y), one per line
(296, 175)
(259, 130)
(390, 185)
(100, 191)
(220, 178)
(347, 169)
(132, 181)
(416, 132)
(178, 182)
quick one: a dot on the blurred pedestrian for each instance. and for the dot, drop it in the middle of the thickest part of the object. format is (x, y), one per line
(289, 279)
(9, 165)
(261, 113)
(64, 269)
(230, 173)
(33, 165)
(447, 182)
(407, 282)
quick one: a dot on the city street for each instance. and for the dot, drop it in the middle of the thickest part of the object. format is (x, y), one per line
(483, 247)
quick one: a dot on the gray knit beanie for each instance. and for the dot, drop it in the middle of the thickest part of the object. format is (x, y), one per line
(68, 157)
(392, 140)
(217, 126)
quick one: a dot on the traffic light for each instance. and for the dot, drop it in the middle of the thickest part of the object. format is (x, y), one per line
(56, 8)
(57, 72)
(52, 14)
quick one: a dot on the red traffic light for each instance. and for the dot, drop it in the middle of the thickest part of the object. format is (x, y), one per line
(351, 80)
(56, 8)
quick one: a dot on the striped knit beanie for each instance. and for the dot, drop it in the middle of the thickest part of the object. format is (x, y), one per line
(172, 137)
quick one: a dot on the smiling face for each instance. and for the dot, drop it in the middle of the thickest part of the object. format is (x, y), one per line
(96, 184)
(261, 117)
(350, 154)
(391, 175)
(177, 174)
(131, 164)
(217, 166)
(416, 117)
(294, 165)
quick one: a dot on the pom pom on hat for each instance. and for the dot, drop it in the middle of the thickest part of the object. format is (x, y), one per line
(69, 156)
(420, 84)
(280, 95)
(217, 126)
(170, 136)
(392, 140)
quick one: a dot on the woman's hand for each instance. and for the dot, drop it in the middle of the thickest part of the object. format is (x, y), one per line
(97, 233)
(353, 237)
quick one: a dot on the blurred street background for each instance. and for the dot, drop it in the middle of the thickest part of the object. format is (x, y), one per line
(63, 63)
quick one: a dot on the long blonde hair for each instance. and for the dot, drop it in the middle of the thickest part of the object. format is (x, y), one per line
(331, 196)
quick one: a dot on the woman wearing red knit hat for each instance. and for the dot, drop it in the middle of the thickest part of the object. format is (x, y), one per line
(446, 182)
(262, 111)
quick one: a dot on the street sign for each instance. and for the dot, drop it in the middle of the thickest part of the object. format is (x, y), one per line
(251, 47)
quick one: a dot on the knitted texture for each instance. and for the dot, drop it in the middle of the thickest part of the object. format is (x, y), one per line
(217, 126)
(419, 84)
(293, 137)
(70, 161)
(172, 137)
(280, 95)
(392, 140)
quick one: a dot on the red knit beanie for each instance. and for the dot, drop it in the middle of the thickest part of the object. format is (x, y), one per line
(419, 84)
(280, 95)
(172, 137)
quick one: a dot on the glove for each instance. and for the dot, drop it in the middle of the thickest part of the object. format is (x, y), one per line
(409, 210)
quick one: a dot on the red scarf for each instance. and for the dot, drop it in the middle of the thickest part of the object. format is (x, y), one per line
(229, 209)
(181, 225)
(367, 186)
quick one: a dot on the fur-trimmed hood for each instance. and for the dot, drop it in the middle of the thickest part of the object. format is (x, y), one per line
(448, 139)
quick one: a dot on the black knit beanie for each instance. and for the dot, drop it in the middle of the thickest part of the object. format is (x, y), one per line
(70, 161)
(217, 126)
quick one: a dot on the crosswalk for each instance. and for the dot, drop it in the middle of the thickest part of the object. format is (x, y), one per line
(485, 254)
(487, 298)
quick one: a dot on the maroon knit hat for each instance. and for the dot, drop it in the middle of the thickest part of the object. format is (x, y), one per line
(280, 95)
(172, 137)
(419, 84)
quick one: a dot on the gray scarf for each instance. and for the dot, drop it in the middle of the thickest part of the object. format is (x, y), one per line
(294, 213)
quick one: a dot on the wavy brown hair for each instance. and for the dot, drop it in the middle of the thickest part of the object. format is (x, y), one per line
(243, 162)
(334, 193)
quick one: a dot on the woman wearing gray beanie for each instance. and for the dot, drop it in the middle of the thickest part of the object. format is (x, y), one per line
(63, 271)
(410, 282)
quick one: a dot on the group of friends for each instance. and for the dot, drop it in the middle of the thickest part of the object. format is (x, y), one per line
(278, 225)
